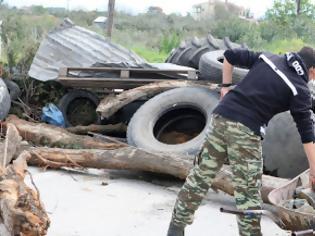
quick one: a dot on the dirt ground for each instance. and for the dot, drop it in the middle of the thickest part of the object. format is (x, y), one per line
(121, 203)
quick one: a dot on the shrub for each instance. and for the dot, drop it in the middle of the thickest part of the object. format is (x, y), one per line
(168, 42)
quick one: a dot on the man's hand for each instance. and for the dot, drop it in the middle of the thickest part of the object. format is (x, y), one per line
(309, 149)
(312, 178)
(224, 91)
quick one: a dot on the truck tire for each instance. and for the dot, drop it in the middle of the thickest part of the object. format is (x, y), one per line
(282, 148)
(13, 89)
(5, 100)
(79, 108)
(211, 65)
(190, 51)
(174, 121)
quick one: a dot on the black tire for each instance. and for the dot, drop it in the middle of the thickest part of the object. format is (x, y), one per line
(211, 64)
(282, 148)
(5, 100)
(184, 110)
(13, 88)
(189, 52)
(83, 99)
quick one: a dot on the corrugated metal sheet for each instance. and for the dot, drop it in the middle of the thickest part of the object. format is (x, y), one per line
(73, 46)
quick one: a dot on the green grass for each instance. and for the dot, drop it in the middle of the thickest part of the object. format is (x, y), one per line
(283, 46)
(151, 55)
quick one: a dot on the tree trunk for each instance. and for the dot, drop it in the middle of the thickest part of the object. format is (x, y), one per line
(111, 104)
(22, 213)
(103, 129)
(298, 7)
(11, 144)
(110, 19)
(130, 158)
(48, 135)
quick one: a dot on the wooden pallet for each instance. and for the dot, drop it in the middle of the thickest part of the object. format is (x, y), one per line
(121, 78)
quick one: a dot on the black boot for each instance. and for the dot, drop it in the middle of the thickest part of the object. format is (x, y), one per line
(175, 230)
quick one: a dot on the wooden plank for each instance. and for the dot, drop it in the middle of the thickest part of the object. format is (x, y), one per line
(63, 71)
(105, 82)
(124, 74)
(192, 75)
(99, 69)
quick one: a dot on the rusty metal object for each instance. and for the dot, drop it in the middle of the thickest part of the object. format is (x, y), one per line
(269, 214)
(293, 220)
(308, 232)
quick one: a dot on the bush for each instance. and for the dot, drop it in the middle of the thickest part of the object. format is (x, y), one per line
(234, 28)
(283, 46)
(168, 42)
(151, 55)
(253, 38)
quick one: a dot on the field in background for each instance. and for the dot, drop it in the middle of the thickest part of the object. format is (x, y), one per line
(154, 35)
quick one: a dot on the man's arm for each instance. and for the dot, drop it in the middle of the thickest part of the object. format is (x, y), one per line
(309, 149)
(242, 57)
(239, 57)
(300, 108)
(226, 76)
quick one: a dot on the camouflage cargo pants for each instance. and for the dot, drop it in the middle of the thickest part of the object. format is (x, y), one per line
(232, 140)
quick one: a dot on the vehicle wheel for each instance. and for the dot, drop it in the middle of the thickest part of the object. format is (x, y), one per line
(282, 148)
(174, 121)
(79, 108)
(13, 88)
(5, 100)
(211, 65)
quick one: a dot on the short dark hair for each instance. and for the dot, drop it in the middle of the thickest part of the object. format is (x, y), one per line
(308, 56)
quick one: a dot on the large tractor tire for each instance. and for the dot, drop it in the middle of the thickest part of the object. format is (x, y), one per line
(190, 51)
(211, 65)
(283, 151)
(174, 121)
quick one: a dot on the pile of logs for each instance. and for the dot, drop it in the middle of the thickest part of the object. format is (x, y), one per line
(22, 212)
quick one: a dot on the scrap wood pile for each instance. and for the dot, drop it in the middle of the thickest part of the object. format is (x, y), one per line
(22, 212)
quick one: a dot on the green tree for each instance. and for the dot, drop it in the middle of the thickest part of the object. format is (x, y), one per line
(282, 20)
(283, 11)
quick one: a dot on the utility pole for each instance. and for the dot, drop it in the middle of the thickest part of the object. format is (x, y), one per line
(298, 7)
(226, 5)
(110, 18)
(68, 6)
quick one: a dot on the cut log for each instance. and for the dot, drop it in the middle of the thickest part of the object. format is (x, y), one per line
(130, 158)
(22, 213)
(52, 136)
(111, 104)
(11, 144)
(103, 129)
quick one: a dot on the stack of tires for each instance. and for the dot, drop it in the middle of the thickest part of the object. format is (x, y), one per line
(189, 52)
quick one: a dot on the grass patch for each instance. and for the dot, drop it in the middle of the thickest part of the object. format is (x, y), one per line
(151, 55)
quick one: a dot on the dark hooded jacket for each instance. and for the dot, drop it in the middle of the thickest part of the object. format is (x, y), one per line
(273, 84)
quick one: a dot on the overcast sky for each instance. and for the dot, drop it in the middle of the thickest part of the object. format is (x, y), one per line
(258, 7)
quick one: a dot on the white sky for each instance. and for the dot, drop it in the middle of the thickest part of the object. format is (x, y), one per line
(258, 7)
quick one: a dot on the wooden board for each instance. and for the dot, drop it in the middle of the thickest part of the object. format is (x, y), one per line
(123, 78)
